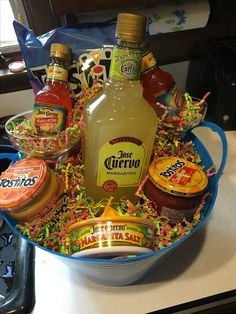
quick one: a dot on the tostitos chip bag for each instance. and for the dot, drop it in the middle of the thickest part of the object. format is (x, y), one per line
(91, 45)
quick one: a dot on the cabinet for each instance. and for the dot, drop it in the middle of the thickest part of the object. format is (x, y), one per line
(61, 7)
(173, 47)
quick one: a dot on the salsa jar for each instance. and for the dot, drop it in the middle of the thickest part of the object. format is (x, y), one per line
(29, 190)
(177, 187)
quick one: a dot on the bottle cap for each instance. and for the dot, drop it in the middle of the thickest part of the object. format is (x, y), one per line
(131, 27)
(60, 51)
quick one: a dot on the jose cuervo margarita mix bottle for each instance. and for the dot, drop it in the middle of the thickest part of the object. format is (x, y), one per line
(120, 125)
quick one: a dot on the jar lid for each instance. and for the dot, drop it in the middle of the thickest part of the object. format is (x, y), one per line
(21, 182)
(43, 202)
(110, 215)
(178, 176)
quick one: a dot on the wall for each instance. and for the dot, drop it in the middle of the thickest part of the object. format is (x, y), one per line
(15, 102)
(12, 103)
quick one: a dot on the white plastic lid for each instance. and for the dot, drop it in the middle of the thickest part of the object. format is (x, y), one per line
(16, 66)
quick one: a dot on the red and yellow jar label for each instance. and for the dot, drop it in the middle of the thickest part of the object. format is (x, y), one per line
(178, 176)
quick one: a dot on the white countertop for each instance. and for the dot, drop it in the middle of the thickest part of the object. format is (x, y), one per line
(202, 266)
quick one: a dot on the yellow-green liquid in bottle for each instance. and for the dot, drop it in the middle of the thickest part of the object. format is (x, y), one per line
(120, 128)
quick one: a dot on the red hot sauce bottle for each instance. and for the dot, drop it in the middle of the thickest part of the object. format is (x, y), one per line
(53, 104)
(159, 88)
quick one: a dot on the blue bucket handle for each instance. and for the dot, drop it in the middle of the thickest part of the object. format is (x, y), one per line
(11, 156)
(216, 128)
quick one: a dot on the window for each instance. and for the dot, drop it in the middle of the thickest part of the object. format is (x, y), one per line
(10, 10)
(34, 14)
(7, 34)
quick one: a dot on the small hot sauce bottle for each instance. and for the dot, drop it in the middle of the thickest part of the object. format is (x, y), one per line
(53, 104)
(159, 87)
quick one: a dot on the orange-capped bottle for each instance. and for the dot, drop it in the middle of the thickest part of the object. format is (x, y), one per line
(53, 104)
(159, 87)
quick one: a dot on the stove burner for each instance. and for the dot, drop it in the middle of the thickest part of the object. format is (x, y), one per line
(16, 271)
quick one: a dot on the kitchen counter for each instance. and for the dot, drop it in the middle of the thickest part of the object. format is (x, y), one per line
(203, 266)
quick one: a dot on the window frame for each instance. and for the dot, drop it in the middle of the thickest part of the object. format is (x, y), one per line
(34, 11)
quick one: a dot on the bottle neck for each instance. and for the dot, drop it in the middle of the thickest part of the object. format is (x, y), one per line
(126, 61)
(57, 71)
(148, 62)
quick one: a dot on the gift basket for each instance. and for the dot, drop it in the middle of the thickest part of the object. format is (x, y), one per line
(45, 194)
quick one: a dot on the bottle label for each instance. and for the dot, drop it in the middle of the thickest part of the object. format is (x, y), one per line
(49, 119)
(125, 64)
(170, 98)
(121, 163)
(148, 62)
(57, 72)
